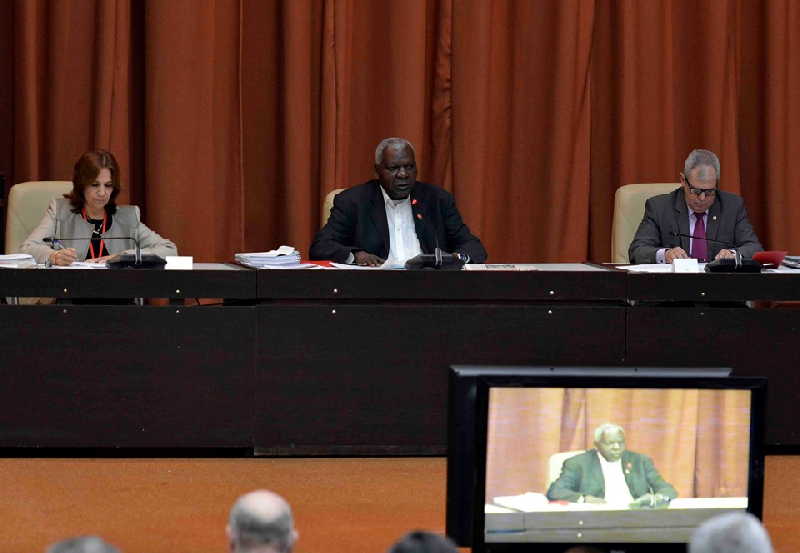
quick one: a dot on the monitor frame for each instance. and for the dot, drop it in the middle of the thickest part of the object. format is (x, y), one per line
(467, 435)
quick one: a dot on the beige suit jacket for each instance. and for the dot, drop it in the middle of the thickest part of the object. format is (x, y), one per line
(60, 222)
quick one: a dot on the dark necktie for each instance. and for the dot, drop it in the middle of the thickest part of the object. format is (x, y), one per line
(699, 244)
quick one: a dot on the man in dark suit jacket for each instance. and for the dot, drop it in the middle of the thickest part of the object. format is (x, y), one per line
(358, 230)
(583, 477)
(722, 219)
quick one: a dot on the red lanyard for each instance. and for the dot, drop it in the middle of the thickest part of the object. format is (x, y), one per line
(102, 242)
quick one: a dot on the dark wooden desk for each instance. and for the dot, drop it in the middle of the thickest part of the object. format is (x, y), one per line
(350, 362)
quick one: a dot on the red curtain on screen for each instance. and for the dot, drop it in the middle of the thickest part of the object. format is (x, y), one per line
(233, 118)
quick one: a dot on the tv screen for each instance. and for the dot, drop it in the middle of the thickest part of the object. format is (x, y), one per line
(608, 457)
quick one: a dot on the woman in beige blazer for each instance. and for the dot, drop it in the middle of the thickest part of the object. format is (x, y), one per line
(90, 225)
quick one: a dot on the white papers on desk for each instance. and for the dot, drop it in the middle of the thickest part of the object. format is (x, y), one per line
(284, 257)
(16, 261)
(526, 502)
(81, 265)
(384, 267)
(500, 267)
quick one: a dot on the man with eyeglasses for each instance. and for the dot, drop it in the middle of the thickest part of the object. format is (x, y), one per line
(394, 217)
(698, 220)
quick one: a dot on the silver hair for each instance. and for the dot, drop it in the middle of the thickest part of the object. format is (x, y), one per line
(394, 141)
(737, 532)
(696, 158)
(250, 530)
(83, 544)
(606, 427)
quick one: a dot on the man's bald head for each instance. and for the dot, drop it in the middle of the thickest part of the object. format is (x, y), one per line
(261, 521)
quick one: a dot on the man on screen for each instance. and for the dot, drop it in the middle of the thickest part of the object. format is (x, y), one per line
(611, 474)
(713, 223)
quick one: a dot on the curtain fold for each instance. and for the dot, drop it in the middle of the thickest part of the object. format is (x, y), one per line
(232, 119)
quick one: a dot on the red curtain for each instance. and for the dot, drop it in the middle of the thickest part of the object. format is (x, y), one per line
(233, 118)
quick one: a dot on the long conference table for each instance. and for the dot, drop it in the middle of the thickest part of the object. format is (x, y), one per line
(338, 362)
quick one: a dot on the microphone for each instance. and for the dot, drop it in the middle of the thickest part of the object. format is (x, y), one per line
(684, 235)
(438, 259)
(123, 261)
(735, 265)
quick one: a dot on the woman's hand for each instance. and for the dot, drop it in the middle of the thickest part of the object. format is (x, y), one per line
(104, 259)
(63, 257)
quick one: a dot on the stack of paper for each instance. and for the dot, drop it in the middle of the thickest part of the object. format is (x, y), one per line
(792, 261)
(527, 502)
(16, 261)
(283, 257)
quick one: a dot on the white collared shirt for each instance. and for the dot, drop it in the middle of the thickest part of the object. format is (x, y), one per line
(403, 240)
(617, 491)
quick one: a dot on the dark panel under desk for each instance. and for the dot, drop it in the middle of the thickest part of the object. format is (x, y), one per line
(591, 284)
(711, 287)
(125, 376)
(753, 342)
(355, 378)
(205, 281)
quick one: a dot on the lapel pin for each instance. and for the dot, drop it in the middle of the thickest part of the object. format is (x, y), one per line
(419, 215)
(714, 218)
(414, 201)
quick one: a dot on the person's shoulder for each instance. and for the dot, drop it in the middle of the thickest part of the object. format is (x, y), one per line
(432, 189)
(127, 213)
(359, 191)
(61, 204)
(729, 198)
(581, 458)
(629, 455)
(666, 199)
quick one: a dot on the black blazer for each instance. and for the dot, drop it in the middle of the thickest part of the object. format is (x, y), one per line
(666, 215)
(582, 475)
(358, 222)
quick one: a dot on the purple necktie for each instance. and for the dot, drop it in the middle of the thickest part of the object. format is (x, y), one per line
(699, 244)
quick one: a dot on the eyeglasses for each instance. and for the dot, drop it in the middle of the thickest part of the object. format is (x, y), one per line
(709, 192)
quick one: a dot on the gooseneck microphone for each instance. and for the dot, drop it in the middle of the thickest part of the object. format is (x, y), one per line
(735, 265)
(55, 241)
(124, 261)
(684, 235)
(438, 259)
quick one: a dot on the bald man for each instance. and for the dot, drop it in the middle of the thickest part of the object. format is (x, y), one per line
(83, 544)
(261, 522)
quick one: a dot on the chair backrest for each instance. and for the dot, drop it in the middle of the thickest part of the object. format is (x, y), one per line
(27, 202)
(555, 463)
(327, 205)
(628, 212)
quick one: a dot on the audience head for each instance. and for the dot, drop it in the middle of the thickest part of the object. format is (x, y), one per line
(396, 167)
(83, 544)
(737, 532)
(261, 522)
(86, 172)
(609, 439)
(419, 541)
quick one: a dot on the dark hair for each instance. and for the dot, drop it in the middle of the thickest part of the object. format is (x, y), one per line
(86, 170)
(423, 542)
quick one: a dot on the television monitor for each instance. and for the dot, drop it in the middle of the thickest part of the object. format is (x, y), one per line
(524, 458)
